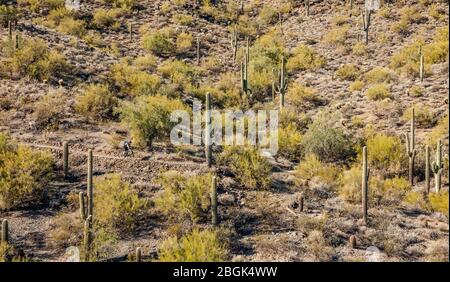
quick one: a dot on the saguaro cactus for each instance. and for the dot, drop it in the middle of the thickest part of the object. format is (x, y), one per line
(87, 238)
(427, 168)
(352, 241)
(130, 30)
(82, 201)
(208, 145)
(308, 5)
(283, 83)
(138, 254)
(90, 188)
(437, 167)
(214, 200)
(301, 202)
(244, 77)
(411, 147)
(5, 232)
(234, 43)
(198, 51)
(66, 158)
(9, 30)
(17, 41)
(421, 64)
(351, 7)
(365, 185)
(366, 17)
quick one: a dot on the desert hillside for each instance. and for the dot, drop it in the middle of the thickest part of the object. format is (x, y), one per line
(361, 172)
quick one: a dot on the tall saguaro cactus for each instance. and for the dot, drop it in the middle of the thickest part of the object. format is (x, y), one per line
(437, 167)
(138, 254)
(214, 200)
(283, 83)
(308, 6)
(9, 30)
(87, 238)
(130, 30)
(244, 77)
(365, 185)
(421, 64)
(90, 188)
(366, 18)
(351, 8)
(208, 145)
(427, 168)
(234, 43)
(82, 201)
(198, 51)
(66, 158)
(411, 147)
(4, 239)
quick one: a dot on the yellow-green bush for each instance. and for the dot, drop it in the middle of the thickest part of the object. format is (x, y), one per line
(97, 102)
(250, 169)
(147, 62)
(326, 140)
(104, 18)
(348, 72)
(49, 110)
(116, 205)
(8, 13)
(183, 19)
(35, 5)
(378, 92)
(439, 202)
(378, 75)
(179, 72)
(359, 49)
(385, 153)
(357, 85)
(24, 173)
(391, 192)
(184, 196)
(337, 35)
(184, 42)
(148, 117)
(198, 246)
(438, 131)
(311, 168)
(159, 42)
(35, 59)
(350, 184)
(424, 117)
(72, 27)
(289, 142)
(304, 58)
(132, 81)
(299, 95)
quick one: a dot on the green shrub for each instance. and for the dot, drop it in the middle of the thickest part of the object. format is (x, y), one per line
(179, 72)
(289, 142)
(337, 35)
(311, 168)
(348, 72)
(439, 202)
(198, 246)
(49, 110)
(55, 16)
(184, 196)
(104, 18)
(184, 42)
(132, 81)
(424, 118)
(385, 153)
(24, 173)
(350, 184)
(159, 42)
(147, 62)
(183, 19)
(359, 49)
(439, 131)
(378, 92)
(357, 85)
(267, 15)
(97, 102)
(304, 58)
(148, 117)
(378, 75)
(125, 4)
(327, 141)
(72, 27)
(392, 192)
(35, 59)
(35, 5)
(250, 169)
(116, 205)
(299, 95)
